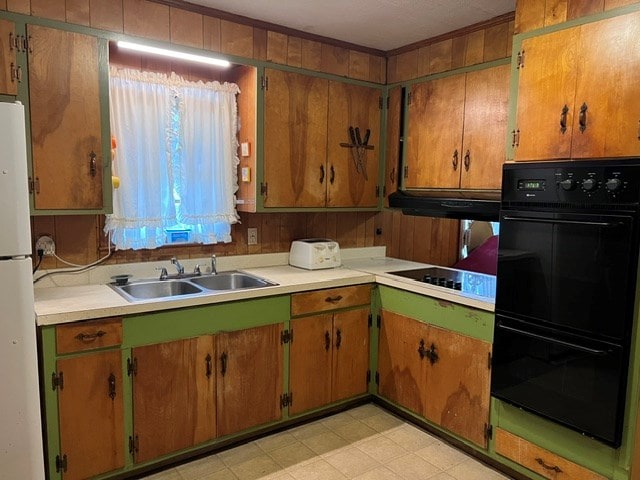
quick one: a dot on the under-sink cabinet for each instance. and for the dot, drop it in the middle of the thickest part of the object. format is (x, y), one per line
(329, 351)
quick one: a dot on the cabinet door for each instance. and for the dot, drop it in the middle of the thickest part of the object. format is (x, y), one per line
(434, 141)
(608, 86)
(353, 171)
(295, 140)
(173, 396)
(310, 357)
(249, 378)
(91, 411)
(403, 374)
(485, 128)
(350, 354)
(8, 81)
(458, 384)
(64, 101)
(546, 85)
(393, 150)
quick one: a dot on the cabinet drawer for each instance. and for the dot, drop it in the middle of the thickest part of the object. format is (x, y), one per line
(330, 299)
(77, 337)
(539, 460)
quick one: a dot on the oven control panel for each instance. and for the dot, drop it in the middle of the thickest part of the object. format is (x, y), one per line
(589, 181)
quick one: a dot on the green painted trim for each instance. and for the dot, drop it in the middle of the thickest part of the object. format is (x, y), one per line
(332, 405)
(51, 420)
(146, 329)
(551, 436)
(127, 398)
(374, 339)
(7, 98)
(105, 122)
(314, 209)
(451, 316)
(260, 139)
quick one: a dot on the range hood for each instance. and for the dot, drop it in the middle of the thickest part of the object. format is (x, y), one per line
(461, 204)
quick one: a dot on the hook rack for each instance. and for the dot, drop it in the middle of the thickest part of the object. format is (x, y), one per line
(359, 145)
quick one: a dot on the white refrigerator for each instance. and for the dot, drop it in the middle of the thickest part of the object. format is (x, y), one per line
(21, 452)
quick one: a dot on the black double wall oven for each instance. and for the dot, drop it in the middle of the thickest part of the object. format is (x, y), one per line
(566, 287)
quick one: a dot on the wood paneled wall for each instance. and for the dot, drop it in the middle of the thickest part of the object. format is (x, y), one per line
(533, 14)
(476, 44)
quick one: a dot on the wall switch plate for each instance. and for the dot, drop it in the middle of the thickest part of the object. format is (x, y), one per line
(245, 149)
(252, 236)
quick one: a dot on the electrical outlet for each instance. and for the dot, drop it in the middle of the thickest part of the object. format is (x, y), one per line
(46, 244)
(252, 236)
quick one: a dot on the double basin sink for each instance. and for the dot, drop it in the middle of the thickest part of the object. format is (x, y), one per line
(192, 286)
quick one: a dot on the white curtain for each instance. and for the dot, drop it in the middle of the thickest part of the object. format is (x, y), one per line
(172, 136)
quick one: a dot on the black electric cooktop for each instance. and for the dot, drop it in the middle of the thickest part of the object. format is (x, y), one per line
(466, 282)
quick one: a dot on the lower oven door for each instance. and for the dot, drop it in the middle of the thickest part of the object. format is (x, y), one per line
(570, 271)
(574, 381)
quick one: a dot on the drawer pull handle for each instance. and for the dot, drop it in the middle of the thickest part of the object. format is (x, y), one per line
(223, 362)
(207, 361)
(338, 338)
(327, 341)
(112, 386)
(90, 337)
(546, 466)
(334, 300)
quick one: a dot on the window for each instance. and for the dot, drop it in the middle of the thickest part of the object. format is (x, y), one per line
(176, 157)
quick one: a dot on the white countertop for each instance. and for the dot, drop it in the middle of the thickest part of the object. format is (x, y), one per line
(55, 305)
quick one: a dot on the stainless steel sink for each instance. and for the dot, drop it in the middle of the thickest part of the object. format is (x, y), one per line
(157, 289)
(194, 286)
(230, 281)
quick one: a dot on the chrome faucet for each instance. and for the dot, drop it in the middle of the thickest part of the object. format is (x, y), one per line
(179, 267)
(214, 268)
(163, 273)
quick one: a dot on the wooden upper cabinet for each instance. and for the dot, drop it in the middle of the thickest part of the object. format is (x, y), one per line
(434, 140)
(592, 71)
(392, 153)
(546, 91)
(65, 113)
(173, 396)
(8, 71)
(249, 378)
(295, 140)
(485, 128)
(91, 410)
(353, 171)
(457, 128)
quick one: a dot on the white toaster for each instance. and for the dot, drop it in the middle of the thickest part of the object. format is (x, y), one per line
(314, 253)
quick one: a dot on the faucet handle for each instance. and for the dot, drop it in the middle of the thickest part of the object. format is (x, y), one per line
(196, 269)
(214, 268)
(163, 273)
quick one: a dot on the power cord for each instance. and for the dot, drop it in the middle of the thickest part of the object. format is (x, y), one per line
(40, 253)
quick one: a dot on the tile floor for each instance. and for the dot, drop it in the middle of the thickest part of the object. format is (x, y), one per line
(364, 443)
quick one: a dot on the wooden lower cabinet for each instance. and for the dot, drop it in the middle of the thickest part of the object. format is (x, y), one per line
(249, 378)
(436, 373)
(173, 396)
(328, 358)
(91, 414)
(541, 461)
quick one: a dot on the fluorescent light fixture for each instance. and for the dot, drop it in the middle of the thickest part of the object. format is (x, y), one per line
(173, 54)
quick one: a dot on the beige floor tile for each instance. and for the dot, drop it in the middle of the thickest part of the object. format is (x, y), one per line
(413, 467)
(411, 438)
(442, 455)
(383, 422)
(442, 476)
(356, 431)
(352, 462)
(381, 449)
(364, 411)
(171, 474)
(325, 443)
(256, 468)
(309, 430)
(199, 468)
(337, 421)
(240, 454)
(318, 470)
(292, 455)
(380, 473)
(225, 474)
(279, 475)
(276, 441)
(473, 470)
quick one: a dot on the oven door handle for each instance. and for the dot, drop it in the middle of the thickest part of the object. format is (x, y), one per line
(592, 351)
(562, 222)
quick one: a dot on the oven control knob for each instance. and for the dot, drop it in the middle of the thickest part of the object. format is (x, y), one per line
(613, 184)
(568, 184)
(589, 184)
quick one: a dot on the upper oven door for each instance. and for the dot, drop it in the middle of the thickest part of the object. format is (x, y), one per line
(571, 271)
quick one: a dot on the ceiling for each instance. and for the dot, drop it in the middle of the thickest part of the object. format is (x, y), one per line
(380, 24)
